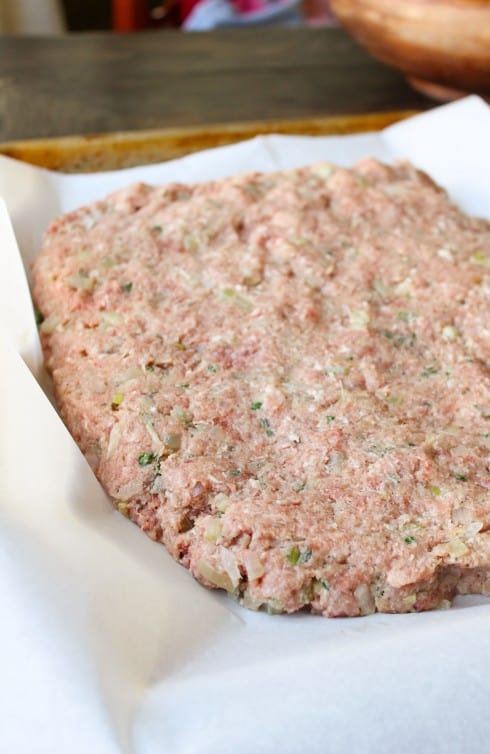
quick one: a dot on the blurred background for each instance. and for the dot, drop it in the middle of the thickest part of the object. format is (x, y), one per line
(58, 16)
(441, 46)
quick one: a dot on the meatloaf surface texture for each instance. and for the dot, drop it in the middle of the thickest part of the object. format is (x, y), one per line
(285, 379)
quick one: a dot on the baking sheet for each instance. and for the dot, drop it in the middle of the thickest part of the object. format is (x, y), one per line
(106, 644)
(124, 149)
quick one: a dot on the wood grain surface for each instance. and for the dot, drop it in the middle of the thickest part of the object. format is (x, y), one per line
(96, 83)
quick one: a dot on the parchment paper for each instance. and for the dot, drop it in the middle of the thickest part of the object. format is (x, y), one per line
(107, 645)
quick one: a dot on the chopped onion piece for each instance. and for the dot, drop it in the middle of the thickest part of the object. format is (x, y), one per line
(129, 374)
(405, 288)
(252, 603)
(443, 605)
(410, 600)
(445, 254)
(473, 529)
(173, 442)
(456, 548)
(221, 502)
(113, 318)
(230, 565)
(359, 319)
(449, 332)
(217, 578)
(81, 281)
(114, 440)
(336, 459)
(181, 414)
(151, 430)
(253, 565)
(50, 324)
(274, 607)
(322, 169)
(462, 515)
(212, 532)
(130, 489)
(364, 599)
(381, 288)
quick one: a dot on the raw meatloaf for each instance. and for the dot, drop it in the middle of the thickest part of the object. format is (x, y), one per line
(285, 379)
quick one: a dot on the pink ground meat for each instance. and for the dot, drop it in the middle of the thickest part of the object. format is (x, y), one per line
(285, 379)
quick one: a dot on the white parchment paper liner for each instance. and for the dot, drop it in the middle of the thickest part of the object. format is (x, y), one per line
(106, 644)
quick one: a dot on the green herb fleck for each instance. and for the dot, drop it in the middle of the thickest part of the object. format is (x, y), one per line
(379, 450)
(434, 490)
(324, 583)
(183, 385)
(460, 477)
(485, 434)
(409, 540)
(479, 258)
(117, 399)
(235, 472)
(403, 316)
(330, 418)
(296, 557)
(146, 458)
(150, 367)
(400, 340)
(256, 405)
(394, 400)
(127, 287)
(156, 228)
(265, 423)
(180, 346)
(39, 316)
(428, 372)
(212, 368)
(293, 555)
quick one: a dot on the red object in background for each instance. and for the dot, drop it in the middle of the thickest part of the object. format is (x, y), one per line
(131, 15)
(249, 6)
(185, 8)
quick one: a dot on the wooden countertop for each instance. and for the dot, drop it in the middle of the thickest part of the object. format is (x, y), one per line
(101, 82)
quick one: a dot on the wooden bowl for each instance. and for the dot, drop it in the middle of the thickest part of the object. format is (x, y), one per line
(442, 46)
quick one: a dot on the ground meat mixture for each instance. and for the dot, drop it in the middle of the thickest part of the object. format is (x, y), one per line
(285, 379)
